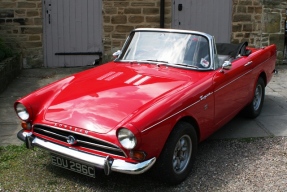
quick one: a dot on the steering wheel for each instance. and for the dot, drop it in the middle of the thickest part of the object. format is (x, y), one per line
(242, 49)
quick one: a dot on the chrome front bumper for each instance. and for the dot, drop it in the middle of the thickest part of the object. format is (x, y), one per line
(107, 163)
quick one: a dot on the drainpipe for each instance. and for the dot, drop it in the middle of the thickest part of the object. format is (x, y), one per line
(161, 14)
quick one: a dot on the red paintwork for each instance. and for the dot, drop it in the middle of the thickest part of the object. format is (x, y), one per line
(149, 99)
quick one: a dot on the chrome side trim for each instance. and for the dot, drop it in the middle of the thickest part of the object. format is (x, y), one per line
(176, 113)
(263, 63)
(206, 97)
(117, 165)
(196, 101)
(232, 81)
(250, 62)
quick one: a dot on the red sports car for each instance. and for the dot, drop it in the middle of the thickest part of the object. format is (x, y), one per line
(166, 91)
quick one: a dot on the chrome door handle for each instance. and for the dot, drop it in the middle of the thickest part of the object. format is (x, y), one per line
(249, 63)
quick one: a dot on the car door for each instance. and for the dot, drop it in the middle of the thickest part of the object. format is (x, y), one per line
(231, 90)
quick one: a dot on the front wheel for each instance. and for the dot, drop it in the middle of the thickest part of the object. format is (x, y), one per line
(176, 159)
(254, 108)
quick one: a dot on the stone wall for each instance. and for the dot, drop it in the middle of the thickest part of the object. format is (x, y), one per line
(21, 27)
(120, 17)
(260, 22)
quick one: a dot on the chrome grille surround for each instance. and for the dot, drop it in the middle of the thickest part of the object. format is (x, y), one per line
(82, 139)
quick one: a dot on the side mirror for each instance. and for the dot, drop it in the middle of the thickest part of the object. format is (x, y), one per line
(117, 54)
(226, 66)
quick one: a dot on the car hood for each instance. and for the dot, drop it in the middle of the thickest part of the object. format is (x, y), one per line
(101, 98)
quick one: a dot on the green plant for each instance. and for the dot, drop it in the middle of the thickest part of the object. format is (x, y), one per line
(5, 51)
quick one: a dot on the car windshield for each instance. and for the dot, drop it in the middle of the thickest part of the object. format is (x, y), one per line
(188, 50)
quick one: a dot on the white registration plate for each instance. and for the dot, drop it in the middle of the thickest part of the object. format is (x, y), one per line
(73, 166)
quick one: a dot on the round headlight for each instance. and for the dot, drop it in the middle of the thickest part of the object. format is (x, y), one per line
(22, 112)
(127, 138)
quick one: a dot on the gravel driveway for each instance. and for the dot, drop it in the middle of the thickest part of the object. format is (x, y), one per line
(244, 165)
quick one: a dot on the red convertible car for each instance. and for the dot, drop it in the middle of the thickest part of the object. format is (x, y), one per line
(166, 91)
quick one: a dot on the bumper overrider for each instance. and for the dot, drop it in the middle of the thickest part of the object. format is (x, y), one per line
(107, 163)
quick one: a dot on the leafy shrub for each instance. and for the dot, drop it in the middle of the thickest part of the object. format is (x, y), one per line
(2, 55)
(5, 51)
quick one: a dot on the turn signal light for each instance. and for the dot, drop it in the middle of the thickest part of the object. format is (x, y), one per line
(26, 125)
(138, 155)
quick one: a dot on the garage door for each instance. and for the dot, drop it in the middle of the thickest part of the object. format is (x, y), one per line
(72, 32)
(210, 16)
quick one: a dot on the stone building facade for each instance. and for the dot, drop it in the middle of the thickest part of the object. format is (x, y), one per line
(21, 27)
(120, 17)
(261, 22)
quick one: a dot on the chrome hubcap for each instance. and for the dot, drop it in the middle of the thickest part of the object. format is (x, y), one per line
(257, 97)
(182, 153)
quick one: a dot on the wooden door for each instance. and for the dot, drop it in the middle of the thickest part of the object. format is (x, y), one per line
(210, 16)
(72, 32)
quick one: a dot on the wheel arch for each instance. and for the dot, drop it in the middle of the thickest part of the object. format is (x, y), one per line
(193, 122)
(264, 77)
(164, 166)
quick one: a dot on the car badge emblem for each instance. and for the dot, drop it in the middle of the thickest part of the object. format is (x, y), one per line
(71, 140)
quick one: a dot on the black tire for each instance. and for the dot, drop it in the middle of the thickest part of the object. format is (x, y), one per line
(177, 157)
(254, 108)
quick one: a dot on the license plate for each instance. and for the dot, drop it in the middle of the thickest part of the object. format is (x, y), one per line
(73, 166)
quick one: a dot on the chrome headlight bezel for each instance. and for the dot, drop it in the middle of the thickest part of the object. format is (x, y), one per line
(127, 138)
(22, 112)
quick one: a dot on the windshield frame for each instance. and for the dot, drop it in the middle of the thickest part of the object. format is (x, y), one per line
(210, 40)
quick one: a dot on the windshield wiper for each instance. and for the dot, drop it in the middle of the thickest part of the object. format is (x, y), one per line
(187, 65)
(158, 61)
(144, 61)
(173, 64)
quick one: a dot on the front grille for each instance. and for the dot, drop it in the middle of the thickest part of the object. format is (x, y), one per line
(82, 140)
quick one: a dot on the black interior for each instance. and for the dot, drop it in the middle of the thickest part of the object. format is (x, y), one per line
(233, 50)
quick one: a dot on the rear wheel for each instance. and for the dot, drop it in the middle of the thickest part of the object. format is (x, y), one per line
(176, 159)
(254, 108)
